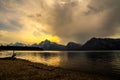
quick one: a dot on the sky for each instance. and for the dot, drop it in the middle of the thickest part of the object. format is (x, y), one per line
(61, 21)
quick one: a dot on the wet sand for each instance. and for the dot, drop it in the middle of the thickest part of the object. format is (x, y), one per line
(18, 69)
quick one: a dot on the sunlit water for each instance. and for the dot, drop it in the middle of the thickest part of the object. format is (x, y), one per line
(94, 61)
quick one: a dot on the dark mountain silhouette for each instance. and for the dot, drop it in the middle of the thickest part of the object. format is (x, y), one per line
(92, 44)
(34, 45)
(73, 46)
(47, 45)
(102, 44)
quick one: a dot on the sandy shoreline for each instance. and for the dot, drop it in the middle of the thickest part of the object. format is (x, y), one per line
(19, 69)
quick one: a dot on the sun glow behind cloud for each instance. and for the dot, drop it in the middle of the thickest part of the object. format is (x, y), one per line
(23, 23)
(32, 21)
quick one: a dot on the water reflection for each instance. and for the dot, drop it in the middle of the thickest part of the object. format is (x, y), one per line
(47, 58)
(97, 62)
(100, 62)
(116, 62)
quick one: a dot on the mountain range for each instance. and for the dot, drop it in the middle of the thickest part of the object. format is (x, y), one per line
(102, 44)
(92, 44)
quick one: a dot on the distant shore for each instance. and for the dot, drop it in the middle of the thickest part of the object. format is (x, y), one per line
(18, 69)
(20, 48)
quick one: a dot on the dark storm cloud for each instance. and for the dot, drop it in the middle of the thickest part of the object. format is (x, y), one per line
(9, 21)
(70, 20)
(62, 18)
(13, 25)
(68, 25)
(112, 19)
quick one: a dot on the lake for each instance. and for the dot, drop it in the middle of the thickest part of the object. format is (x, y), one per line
(101, 62)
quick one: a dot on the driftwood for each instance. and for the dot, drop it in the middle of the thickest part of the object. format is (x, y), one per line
(13, 57)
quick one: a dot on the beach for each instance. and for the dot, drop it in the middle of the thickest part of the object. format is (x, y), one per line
(18, 69)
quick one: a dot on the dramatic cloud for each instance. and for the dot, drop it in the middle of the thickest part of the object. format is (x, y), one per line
(112, 18)
(87, 19)
(58, 20)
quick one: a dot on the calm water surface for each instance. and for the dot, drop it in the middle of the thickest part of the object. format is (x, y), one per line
(94, 61)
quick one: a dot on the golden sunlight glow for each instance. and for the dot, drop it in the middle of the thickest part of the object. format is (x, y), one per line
(35, 32)
(33, 21)
(54, 60)
(42, 38)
